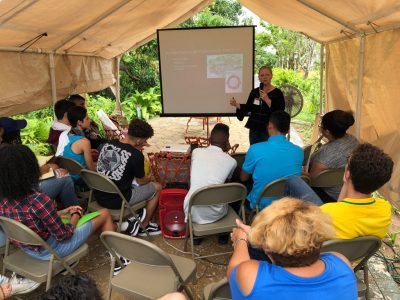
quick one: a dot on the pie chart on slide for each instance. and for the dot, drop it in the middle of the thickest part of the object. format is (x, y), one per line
(233, 82)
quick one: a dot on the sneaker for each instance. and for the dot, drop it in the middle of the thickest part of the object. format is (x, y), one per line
(22, 285)
(142, 214)
(152, 229)
(133, 227)
(118, 268)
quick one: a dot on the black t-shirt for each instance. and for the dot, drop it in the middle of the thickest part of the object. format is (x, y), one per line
(121, 163)
(259, 114)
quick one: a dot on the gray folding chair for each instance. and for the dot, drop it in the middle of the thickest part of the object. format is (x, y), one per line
(29, 267)
(274, 189)
(152, 272)
(71, 165)
(100, 182)
(213, 195)
(328, 178)
(217, 291)
(358, 251)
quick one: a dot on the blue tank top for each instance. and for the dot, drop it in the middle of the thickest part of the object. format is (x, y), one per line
(80, 158)
(273, 282)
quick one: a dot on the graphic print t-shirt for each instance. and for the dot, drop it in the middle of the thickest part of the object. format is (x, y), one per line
(121, 163)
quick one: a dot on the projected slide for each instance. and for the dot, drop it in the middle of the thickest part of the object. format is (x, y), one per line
(201, 69)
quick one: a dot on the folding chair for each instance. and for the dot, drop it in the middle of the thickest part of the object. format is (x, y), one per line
(274, 189)
(239, 157)
(217, 291)
(29, 267)
(328, 178)
(357, 250)
(71, 165)
(212, 195)
(99, 182)
(152, 272)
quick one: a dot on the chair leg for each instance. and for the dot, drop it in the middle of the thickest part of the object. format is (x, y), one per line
(49, 273)
(108, 297)
(365, 270)
(188, 292)
(187, 125)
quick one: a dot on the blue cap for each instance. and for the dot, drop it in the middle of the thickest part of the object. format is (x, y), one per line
(10, 125)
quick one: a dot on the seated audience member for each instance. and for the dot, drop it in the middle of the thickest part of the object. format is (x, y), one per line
(357, 213)
(92, 132)
(291, 233)
(73, 287)
(274, 159)
(210, 166)
(61, 186)
(11, 128)
(61, 124)
(20, 201)
(332, 155)
(123, 162)
(78, 147)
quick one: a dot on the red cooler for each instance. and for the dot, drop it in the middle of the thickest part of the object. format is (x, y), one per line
(172, 216)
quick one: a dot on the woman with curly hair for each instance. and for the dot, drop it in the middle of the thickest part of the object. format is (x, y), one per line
(20, 201)
(291, 233)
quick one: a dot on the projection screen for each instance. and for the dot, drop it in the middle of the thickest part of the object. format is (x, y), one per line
(202, 68)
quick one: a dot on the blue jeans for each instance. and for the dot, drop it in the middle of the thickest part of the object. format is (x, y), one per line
(66, 247)
(298, 188)
(61, 188)
(257, 136)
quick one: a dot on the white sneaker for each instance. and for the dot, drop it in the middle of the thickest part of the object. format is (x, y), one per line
(22, 285)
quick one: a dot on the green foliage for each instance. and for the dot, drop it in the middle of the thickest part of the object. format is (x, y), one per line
(148, 102)
(309, 87)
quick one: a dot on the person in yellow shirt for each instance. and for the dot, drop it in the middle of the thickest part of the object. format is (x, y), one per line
(358, 213)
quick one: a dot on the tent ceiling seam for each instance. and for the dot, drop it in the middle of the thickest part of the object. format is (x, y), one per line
(17, 12)
(96, 21)
(325, 14)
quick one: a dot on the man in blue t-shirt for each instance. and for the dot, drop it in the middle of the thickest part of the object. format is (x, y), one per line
(274, 159)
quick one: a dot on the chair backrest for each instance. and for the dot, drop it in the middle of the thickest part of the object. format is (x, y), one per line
(328, 178)
(69, 164)
(136, 249)
(218, 194)
(20, 233)
(361, 248)
(307, 153)
(220, 290)
(99, 182)
(275, 188)
(306, 179)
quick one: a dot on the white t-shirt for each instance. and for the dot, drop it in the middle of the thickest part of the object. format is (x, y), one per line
(209, 166)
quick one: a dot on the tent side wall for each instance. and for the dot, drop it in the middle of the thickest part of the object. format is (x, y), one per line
(379, 115)
(27, 76)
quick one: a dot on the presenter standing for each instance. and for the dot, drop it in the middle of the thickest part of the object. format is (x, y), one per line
(261, 103)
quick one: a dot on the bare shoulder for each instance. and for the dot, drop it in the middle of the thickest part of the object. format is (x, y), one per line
(342, 257)
(246, 275)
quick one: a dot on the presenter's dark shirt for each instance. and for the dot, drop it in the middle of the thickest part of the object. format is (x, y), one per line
(259, 114)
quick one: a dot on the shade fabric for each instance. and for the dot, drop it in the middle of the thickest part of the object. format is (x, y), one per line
(379, 115)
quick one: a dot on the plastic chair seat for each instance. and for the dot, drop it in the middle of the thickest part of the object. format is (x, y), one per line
(217, 291)
(223, 225)
(37, 270)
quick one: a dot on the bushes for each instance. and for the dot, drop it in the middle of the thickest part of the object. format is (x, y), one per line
(309, 87)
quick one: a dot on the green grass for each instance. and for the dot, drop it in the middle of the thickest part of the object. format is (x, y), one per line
(305, 117)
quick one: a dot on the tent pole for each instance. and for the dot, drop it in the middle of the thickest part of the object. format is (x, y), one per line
(118, 108)
(53, 80)
(359, 87)
(321, 78)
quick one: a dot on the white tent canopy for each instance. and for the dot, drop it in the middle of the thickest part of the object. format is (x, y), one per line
(49, 49)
